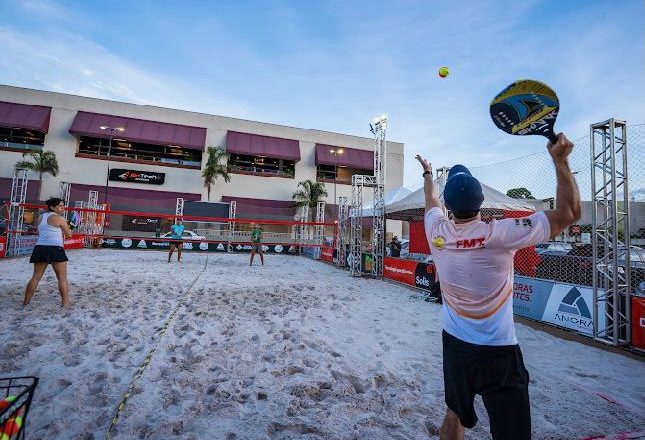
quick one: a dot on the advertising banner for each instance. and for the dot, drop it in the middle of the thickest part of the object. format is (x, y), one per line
(191, 245)
(399, 270)
(530, 297)
(572, 307)
(327, 254)
(149, 177)
(424, 276)
(76, 242)
(3, 247)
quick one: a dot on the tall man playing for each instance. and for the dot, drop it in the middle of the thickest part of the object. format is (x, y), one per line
(474, 262)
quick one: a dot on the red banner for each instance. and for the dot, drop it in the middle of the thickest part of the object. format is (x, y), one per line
(327, 254)
(399, 270)
(3, 247)
(638, 322)
(418, 240)
(76, 242)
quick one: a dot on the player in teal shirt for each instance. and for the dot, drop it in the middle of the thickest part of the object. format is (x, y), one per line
(256, 246)
(177, 231)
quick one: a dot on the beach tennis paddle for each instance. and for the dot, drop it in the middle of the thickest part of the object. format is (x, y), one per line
(526, 107)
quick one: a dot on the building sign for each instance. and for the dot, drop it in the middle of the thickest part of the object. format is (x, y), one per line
(149, 177)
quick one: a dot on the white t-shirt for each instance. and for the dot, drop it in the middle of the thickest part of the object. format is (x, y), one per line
(474, 262)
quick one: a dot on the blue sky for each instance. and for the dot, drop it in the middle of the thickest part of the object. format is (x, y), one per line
(334, 65)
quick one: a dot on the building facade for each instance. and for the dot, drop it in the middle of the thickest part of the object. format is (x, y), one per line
(266, 161)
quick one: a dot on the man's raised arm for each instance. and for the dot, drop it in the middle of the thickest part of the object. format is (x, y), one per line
(567, 208)
(432, 199)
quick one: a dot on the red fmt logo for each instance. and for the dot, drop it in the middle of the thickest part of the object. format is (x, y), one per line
(471, 243)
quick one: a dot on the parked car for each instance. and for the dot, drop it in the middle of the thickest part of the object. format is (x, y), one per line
(553, 248)
(187, 235)
(576, 267)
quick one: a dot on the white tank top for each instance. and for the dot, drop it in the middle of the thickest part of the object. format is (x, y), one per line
(49, 235)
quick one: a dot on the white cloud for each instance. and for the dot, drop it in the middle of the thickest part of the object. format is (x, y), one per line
(68, 63)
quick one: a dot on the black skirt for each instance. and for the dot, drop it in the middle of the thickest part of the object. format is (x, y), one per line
(48, 254)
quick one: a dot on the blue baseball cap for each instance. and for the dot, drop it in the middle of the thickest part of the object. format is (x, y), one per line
(462, 193)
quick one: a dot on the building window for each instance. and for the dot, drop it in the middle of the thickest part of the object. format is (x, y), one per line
(327, 173)
(21, 139)
(164, 154)
(241, 163)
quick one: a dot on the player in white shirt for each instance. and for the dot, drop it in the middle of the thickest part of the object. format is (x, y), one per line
(474, 262)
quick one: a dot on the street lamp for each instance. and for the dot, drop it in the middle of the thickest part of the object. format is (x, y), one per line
(110, 130)
(336, 153)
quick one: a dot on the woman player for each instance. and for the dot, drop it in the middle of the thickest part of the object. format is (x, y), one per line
(49, 250)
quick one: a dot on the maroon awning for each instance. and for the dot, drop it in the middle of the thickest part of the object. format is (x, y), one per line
(139, 130)
(30, 117)
(350, 157)
(258, 145)
(262, 208)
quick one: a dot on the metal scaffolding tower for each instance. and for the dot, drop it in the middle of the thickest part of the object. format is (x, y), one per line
(179, 207)
(341, 231)
(319, 231)
(610, 219)
(64, 191)
(378, 219)
(302, 230)
(377, 182)
(359, 181)
(232, 212)
(16, 209)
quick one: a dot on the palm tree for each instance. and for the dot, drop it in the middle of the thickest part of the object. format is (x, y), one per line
(215, 168)
(309, 194)
(44, 163)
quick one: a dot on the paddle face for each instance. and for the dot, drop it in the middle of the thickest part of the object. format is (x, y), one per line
(526, 107)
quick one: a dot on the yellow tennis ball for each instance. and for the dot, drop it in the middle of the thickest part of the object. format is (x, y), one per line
(444, 71)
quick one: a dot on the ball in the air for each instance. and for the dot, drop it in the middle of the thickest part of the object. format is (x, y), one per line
(444, 71)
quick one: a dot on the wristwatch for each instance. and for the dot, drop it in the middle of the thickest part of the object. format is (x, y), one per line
(426, 172)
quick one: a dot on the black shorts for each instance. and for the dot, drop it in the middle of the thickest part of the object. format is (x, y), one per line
(498, 374)
(48, 254)
(256, 247)
(179, 244)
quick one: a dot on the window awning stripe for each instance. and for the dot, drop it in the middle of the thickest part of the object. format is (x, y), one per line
(258, 145)
(139, 130)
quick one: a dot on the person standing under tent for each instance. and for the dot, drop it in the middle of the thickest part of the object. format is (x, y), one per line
(177, 231)
(395, 247)
(52, 226)
(474, 262)
(256, 246)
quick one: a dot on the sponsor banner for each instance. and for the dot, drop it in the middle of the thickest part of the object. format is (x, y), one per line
(76, 242)
(530, 297)
(3, 247)
(141, 224)
(399, 270)
(638, 322)
(191, 245)
(572, 307)
(424, 276)
(327, 254)
(149, 177)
